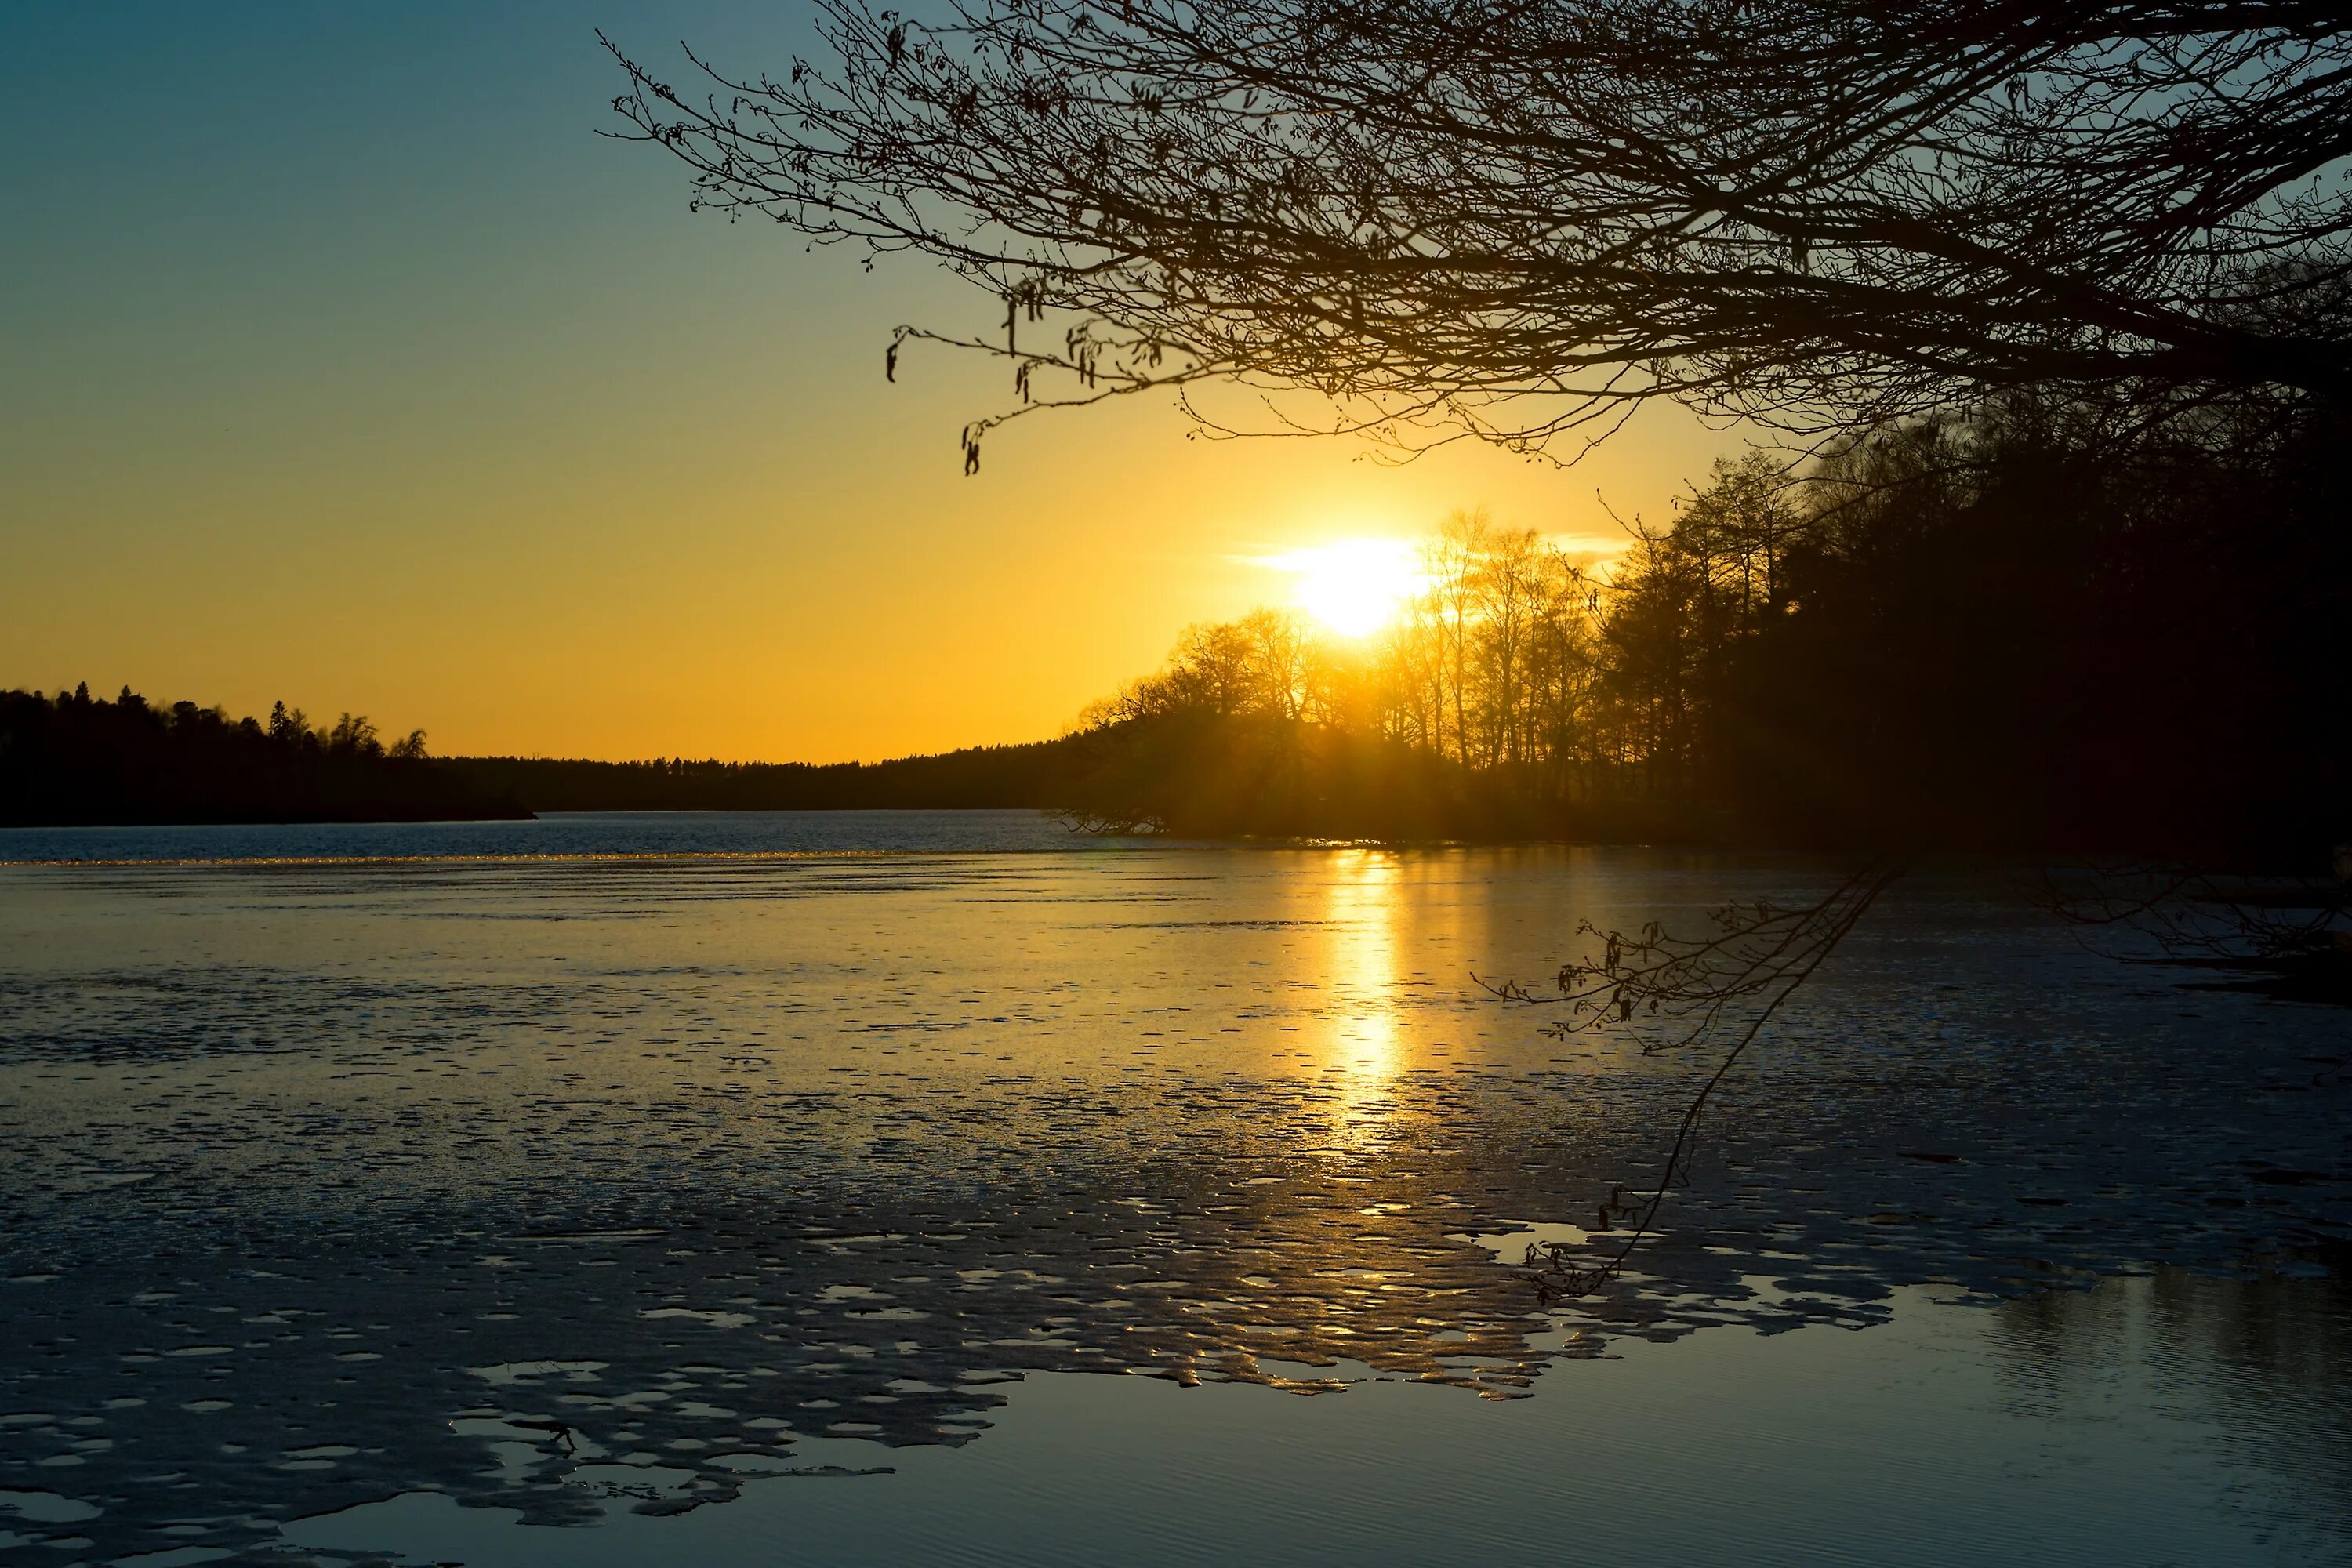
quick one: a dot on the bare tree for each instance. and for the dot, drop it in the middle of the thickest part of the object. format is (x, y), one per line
(1741, 527)
(1518, 219)
(1280, 659)
(1511, 588)
(1452, 560)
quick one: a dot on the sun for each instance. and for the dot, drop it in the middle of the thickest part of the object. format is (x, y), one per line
(1353, 586)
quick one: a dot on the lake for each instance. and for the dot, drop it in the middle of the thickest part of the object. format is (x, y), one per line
(943, 1188)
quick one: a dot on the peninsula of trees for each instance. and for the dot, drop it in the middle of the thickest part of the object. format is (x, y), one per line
(1993, 634)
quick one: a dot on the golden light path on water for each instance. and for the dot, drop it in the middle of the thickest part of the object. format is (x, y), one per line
(1365, 1044)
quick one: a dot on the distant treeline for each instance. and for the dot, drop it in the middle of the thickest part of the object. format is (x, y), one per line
(1983, 633)
(72, 759)
(1036, 776)
(1987, 633)
(1196, 774)
(75, 759)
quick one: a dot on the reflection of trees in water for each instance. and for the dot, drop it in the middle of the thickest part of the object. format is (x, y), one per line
(2268, 1359)
(2284, 936)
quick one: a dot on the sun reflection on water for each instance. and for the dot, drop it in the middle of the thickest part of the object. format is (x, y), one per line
(1365, 1043)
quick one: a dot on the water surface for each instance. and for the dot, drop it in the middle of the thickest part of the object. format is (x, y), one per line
(569, 1182)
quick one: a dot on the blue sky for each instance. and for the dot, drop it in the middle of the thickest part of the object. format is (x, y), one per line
(346, 363)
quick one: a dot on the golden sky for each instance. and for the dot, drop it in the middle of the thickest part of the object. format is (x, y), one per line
(347, 366)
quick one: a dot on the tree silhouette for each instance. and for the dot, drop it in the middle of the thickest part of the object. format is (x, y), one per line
(1519, 219)
(68, 760)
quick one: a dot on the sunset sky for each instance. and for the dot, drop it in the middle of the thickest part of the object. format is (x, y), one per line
(345, 364)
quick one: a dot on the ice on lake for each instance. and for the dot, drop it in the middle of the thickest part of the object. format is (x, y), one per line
(519, 1192)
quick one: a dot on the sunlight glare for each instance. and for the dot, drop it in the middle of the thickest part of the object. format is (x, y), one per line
(1353, 586)
(1361, 917)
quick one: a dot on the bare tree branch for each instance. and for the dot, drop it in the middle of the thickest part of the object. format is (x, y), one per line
(1698, 988)
(1511, 220)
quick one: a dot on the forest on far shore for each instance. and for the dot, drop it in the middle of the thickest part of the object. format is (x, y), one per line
(1040, 775)
(77, 760)
(1983, 635)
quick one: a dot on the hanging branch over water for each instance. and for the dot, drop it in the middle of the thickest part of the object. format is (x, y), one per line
(1516, 220)
(1696, 989)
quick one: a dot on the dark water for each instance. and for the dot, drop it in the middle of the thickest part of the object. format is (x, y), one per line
(634, 1189)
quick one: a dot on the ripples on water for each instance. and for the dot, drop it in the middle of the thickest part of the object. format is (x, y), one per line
(597, 1185)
